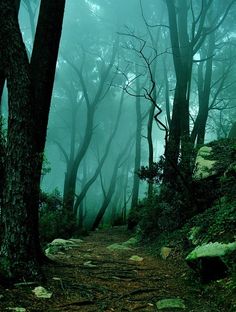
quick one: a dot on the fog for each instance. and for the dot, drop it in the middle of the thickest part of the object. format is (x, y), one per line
(113, 54)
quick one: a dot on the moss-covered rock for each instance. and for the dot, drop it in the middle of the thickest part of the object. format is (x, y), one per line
(41, 292)
(170, 304)
(211, 260)
(59, 244)
(204, 164)
(165, 252)
(136, 258)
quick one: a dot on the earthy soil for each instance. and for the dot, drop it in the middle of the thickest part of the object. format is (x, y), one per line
(93, 278)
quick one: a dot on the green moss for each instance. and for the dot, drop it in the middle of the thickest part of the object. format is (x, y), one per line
(170, 304)
(211, 250)
(118, 247)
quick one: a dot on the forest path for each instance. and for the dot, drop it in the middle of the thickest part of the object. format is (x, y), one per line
(94, 278)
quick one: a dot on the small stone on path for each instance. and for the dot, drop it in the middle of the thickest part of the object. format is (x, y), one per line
(89, 264)
(170, 304)
(165, 252)
(136, 258)
(41, 292)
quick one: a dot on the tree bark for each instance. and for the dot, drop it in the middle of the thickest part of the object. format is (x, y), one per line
(29, 89)
(204, 89)
(45, 53)
(137, 161)
(18, 251)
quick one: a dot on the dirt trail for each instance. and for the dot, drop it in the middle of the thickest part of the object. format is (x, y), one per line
(93, 278)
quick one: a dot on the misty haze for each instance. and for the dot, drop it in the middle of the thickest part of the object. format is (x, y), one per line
(118, 155)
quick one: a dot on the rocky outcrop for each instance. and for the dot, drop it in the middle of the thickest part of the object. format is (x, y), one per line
(212, 261)
(204, 164)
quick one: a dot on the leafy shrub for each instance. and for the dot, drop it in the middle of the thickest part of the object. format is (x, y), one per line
(53, 221)
(153, 174)
(217, 223)
(149, 216)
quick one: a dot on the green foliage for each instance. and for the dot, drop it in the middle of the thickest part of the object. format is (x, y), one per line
(46, 166)
(135, 215)
(149, 212)
(53, 221)
(217, 223)
(208, 203)
(224, 152)
(153, 174)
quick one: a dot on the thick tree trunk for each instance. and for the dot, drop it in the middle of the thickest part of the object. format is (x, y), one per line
(45, 52)
(179, 128)
(29, 89)
(2, 75)
(18, 257)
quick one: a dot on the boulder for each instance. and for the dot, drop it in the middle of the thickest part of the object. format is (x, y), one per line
(204, 164)
(60, 245)
(211, 261)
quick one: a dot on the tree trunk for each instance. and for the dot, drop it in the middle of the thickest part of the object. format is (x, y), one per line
(45, 52)
(112, 186)
(29, 89)
(18, 251)
(150, 145)
(204, 89)
(137, 161)
(179, 128)
(88, 184)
